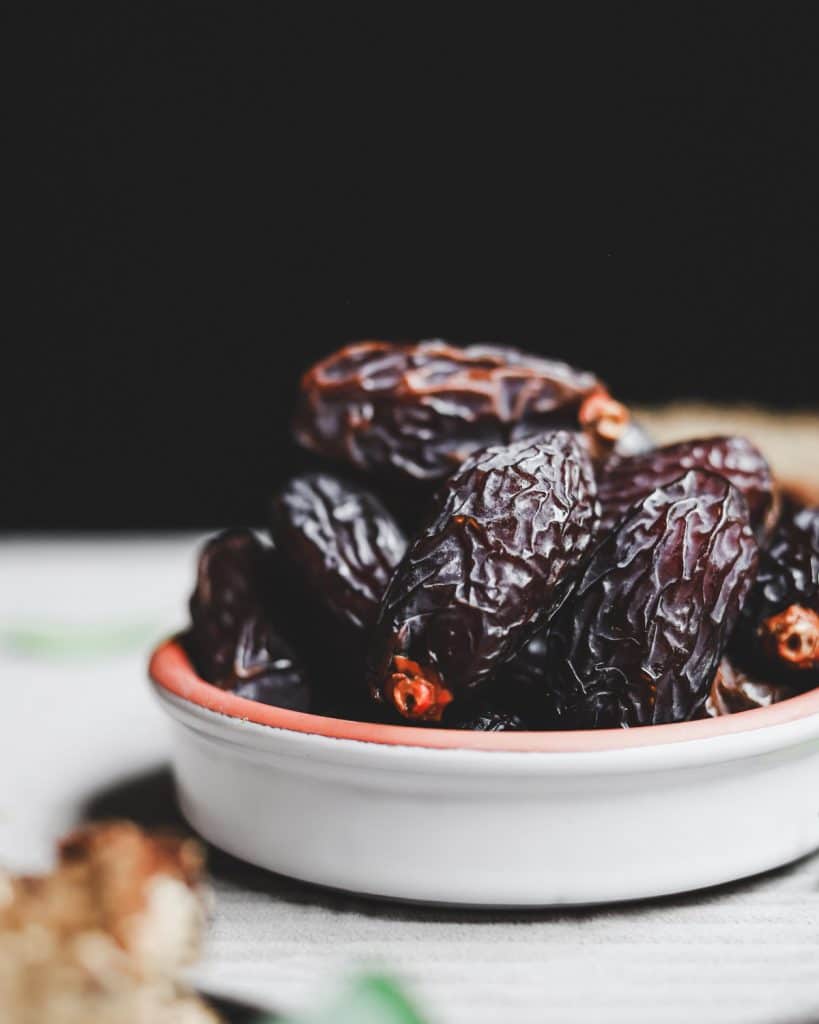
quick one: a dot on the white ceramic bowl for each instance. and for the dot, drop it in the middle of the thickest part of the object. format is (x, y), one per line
(493, 819)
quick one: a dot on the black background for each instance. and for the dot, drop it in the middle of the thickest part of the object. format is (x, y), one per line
(212, 196)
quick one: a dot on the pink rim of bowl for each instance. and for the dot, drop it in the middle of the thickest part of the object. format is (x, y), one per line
(172, 671)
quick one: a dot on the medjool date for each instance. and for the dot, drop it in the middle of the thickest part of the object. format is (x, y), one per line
(418, 410)
(780, 626)
(639, 639)
(341, 541)
(789, 569)
(628, 479)
(734, 690)
(509, 529)
(265, 668)
(234, 581)
(233, 639)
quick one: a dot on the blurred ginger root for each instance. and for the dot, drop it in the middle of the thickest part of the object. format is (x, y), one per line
(102, 937)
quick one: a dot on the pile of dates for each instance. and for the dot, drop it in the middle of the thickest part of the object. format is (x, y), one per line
(485, 539)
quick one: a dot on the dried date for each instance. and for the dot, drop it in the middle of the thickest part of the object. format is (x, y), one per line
(233, 639)
(265, 668)
(780, 627)
(639, 639)
(234, 582)
(418, 410)
(510, 526)
(626, 480)
(341, 541)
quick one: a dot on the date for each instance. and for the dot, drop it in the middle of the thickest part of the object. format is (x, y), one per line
(639, 639)
(341, 542)
(628, 479)
(265, 668)
(234, 582)
(233, 639)
(780, 627)
(418, 410)
(510, 527)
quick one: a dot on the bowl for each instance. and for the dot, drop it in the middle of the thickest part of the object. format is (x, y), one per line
(515, 819)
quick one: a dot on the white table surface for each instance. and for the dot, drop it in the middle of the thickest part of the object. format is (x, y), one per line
(80, 735)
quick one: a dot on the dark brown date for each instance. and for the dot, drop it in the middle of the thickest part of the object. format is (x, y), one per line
(734, 690)
(341, 541)
(510, 527)
(780, 628)
(628, 479)
(789, 568)
(265, 668)
(234, 581)
(639, 639)
(233, 639)
(418, 410)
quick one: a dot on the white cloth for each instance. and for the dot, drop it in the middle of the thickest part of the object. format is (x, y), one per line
(81, 734)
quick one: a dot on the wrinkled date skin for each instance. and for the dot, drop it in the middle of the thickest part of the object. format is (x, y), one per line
(234, 642)
(734, 690)
(780, 627)
(233, 583)
(490, 720)
(627, 480)
(418, 410)
(341, 540)
(639, 639)
(510, 527)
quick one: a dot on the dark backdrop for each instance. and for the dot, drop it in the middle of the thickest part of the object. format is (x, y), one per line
(212, 196)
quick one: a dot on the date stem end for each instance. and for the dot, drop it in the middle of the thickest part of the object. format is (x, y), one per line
(792, 637)
(603, 418)
(417, 693)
